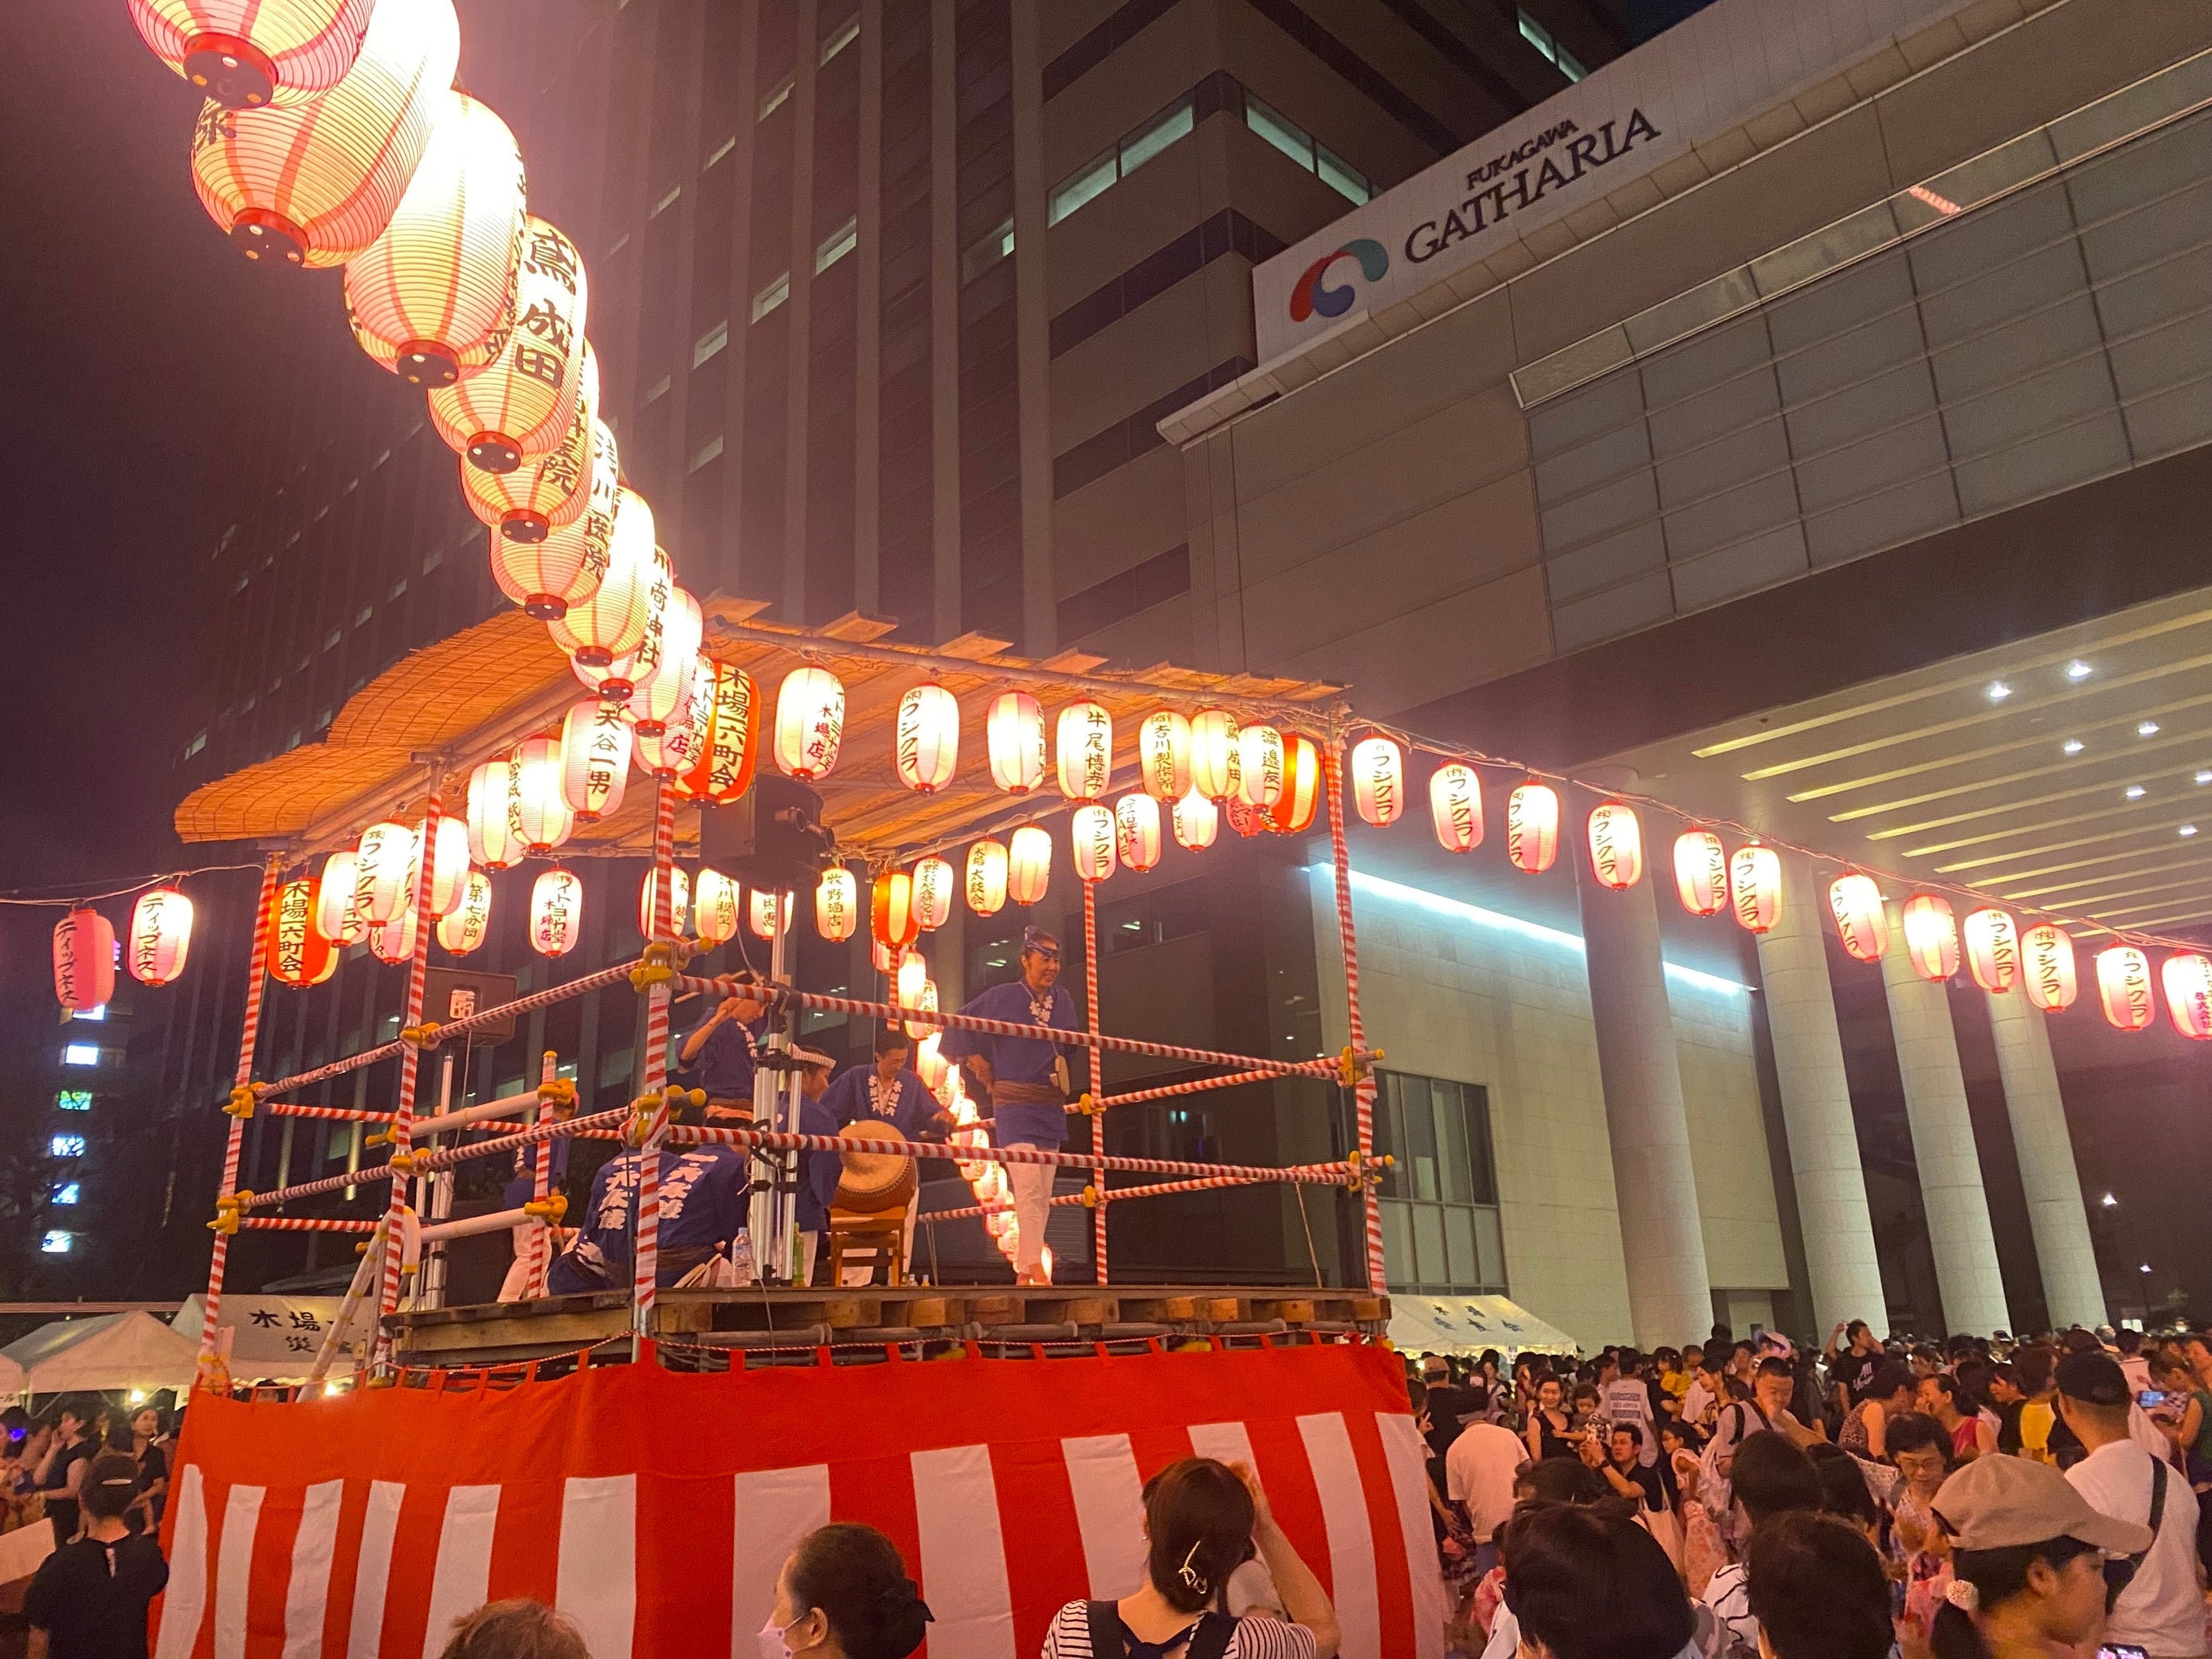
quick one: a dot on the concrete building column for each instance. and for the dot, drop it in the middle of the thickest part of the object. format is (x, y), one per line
(1816, 1109)
(2073, 1290)
(1661, 1232)
(1951, 1192)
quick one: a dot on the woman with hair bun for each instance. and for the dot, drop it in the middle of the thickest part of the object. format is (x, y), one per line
(845, 1594)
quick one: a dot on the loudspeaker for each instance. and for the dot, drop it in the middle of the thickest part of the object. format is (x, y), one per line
(770, 836)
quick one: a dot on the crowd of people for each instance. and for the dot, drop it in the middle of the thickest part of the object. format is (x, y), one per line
(1754, 1500)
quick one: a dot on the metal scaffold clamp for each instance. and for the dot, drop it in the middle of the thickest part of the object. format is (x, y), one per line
(244, 1098)
(228, 1207)
(424, 1036)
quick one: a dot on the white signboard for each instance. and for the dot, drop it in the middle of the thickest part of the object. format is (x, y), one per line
(272, 1338)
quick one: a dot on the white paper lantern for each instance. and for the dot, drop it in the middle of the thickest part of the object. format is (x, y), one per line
(913, 974)
(595, 752)
(1214, 764)
(161, 936)
(679, 903)
(810, 722)
(1755, 887)
(2124, 988)
(660, 672)
(1014, 730)
(2186, 979)
(926, 741)
(1616, 844)
(1029, 864)
(1862, 919)
(540, 814)
(393, 941)
(336, 917)
(837, 904)
(1456, 807)
(381, 862)
(1197, 821)
(2046, 955)
(618, 679)
(557, 913)
(987, 878)
(1992, 948)
(464, 928)
(1090, 834)
(764, 913)
(934, 887)
(1137, 831)
(494, 843)
(1084, 751)
(1931, 935)
(1532, 827)
(1258, 766)
(1378, 781)
(715, 899)
(1163, 754)
(449, 865)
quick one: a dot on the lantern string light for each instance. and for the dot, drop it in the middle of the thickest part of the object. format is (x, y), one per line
(165, 878)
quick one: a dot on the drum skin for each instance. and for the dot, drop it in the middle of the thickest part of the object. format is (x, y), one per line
(874, 1181)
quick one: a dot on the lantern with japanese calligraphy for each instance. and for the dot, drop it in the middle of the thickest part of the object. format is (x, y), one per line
(463, 929)
(552, 487)
(449, 864)
(660, 672)
(1456, 807)
(1090, 836)
(891, 910)
(1213, 759)
(335, 917)
(1931, 935)
(381, 860)
(1992, 948)
(2124, 987)
(1084, 750)
(314, 183)
(987, 878)
(837, 904)
(1137, 831)
(924, 1001)
(541, 815)
(618, 680)
(595, 744)
(679, 903)
(764, 913)
(557, 913)
(2046, 961)
(523, 400)
(246, 54)
(1378, 781)
(299, 954)
(925, 738)
(609, 621)
(714, 906)
(1616, 844)
(1755, 887)
(2186, 979)
(84, 960)
(1246, 819)
(676, 748)
(1261, 772)
(1013, 730)
(934, 887)
(493, 842)
(546, 577)
(1293, 808)
(1862, 919)
(393, 941)
(723, 770)
(161, 936)
(429, 298)
(810, 722)
(1029, 864)
(1163, 754)
(1197, 821)
(1532, 827)
(1701, 872)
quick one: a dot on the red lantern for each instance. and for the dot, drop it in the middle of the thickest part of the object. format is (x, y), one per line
(1197, 821)
(523, 402)
(1084, 751)
(891, 917)
(1701, 867)
(837, 904)
(609, 621)
(550, 488)
(1137, 831)
(246, 54)
(725, 768)
(1755, 887)
(1163, 754)
(987, 878)
(1246, 819)
(1213, 759)
(2046, 956)
(1294, 811)
(84, 960)
(1931, 935)
(1992, 948)
(932, 893)
(679, 903)
(1456, 807)
(595, 743)
(463, 930)
(557, 913)
(2124, 987)
(926, 745)
(1378, 781)
(1616, 844)
(1862, 921)
(1090, 835)
(161, 935)
(1532, 827)
(299, 954)
(810, 722)
(1029, 864)
(1014, 732)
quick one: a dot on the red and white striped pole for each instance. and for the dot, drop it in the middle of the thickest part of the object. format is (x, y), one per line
(410, 1059)
(1363, 1089)
(645, 1257)
(1098, 1078)
(541, 1185)
(249, 1033)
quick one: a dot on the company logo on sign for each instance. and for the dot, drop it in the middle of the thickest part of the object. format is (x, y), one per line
(1309, 299)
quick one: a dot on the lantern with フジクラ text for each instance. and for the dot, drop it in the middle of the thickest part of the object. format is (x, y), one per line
(1293, 808)
(925, 738)
(1197, 821)
(464, 928)
(723, 770)
(557, 913)
(660, 671)
(449, 864)
(595, 744)
(315, 183)
(987, 878)
(429, 298)
(523, 400)
(552, 487)
(837, 904)
(1260, 765)
(393, 941)
(336, 917)
(810, 722)
(84, 960)
(545, 577)
(714, 906)
(2046, 965)
(933, 885)
(1532, 827)
(1755, 887)
(1992, 946)
(1029, 864)
(1701, 868)
(675, 749)
(1378, 781)
(679, 903)
(1214, 758)
(1013, 733)
(541, 815)
(1090, 837)
(1616, 844)
(382, 858)
(494, 842)
(617, 677)
(1163, 754)
(2124, 987)
(247, 53)
(2186, 979)
(890, 909)
(1862, 919)
(161, 936)
(1931, 935)
(299, 953)
(1137, 831)
(1083, 750)
(1456, 807)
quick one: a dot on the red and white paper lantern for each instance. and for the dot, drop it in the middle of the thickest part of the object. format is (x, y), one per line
(1213, 759)
(84, 960)
(1931, 935)
(933, 883)
(2124, 988)
(495, 843)
(1293, 810)
(1163, 754)
(1532, 827)
(449, 865)
(557, 913)
(1084, 750)
(985, 878)
(714, 906)
(1616, 844)
(393, 942)
(1029, 864)
(595, 750)
(606, 625)
(383, 868)
(1701, 867)
(540, 815)
(764, 913)
(1755, 887)
(1378, 781)
(925, 740)
(1137, 831)
(2047, 960)
(464, 928)
(336, 916)
(161, 936)
(1197, 821)
(1456, 807)
(810, 722)
(247, 53)
(1260, 765)
(679, 903)
(837, 904)
(2186, 979)
(523, 402)
(1014, 733)
(1992, 945)
(1862, 919)
(1090, 836)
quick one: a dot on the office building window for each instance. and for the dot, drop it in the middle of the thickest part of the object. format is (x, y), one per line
(1542, 38)
(837, 245)
(659, 389)
(983, 254)
(93, 1014)
(1294, 142)
(772, 296)
(1153, 918)
(432, 559)
(775, 98)
(1439, 1201)
(666, 202)
(198, 743)
(706, 451)
(74, 1100)
(66, 1193)
(81, 1054)
(701, 349)
(841, 37)
(58, 1242)
(1124, 159)
(721, 150)
(66, 1145)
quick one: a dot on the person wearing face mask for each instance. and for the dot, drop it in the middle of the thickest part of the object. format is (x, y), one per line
(844, 1593)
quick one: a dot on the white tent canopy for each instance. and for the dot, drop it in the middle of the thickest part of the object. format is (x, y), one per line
(109, 1351)
(1468, 1324)
(274, 1339)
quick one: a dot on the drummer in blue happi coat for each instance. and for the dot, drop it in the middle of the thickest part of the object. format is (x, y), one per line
(888, 1093)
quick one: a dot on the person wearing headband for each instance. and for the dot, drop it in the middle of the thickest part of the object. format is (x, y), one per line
(722, 1053)
(89, 1599)
(845, 1594)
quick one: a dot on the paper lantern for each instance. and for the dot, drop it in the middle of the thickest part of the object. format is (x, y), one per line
(1163, 754)
(84, 960)
(1214, 758)
(1084, 751)
(1755, 887)
(299, 954)
(1378, 781)
(523, 400)
(557, 913)
(1931, 935)
(682, 740)
(1137, 831)
(2124, 987)
(246, 54)
(314, 183)
(714, 906)
(660, 672)
(2186, 979)
(161, 936)
(724, 769)
(429, 298)
(810, 722)
(890, 909)
(679, 903)
(617, 679)
(549, 487)
(541, 815)
(595, 744)
(449, 865)
(923, 1001)
(1992, 948)
(1013, 731)
(1029, 864)
(1090, 836)
(382, 863)
(764, 914)
(464, 928)
(1701, 872)
(1862, 919)
(987, 878)
(546, 577)
(1293, 808)
(609, 621)
(494, 842)
(925, 738)
(1616, 844)
(336, 918)
(1246, 819)
(1456, 807)
(934, 887)
(1260, 766)
(2047, 960)
(913, 974)
(1532, 827)
(928, 1063)
(1197, 821)
(837, 904)
(393, 941)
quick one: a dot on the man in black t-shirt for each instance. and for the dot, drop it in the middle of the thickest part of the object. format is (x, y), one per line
(89, 1600)
(1621, 1463)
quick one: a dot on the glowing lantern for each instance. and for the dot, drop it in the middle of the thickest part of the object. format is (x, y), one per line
(246, 54)
(1137, 831)
(381, 861)
(1532, 827)
(1260, 766)
(618, 680)
(493, 842)
(393, 941)
(609, 621)
(933, 882)
(1163, 754)
(449, 865)
(1378, 781)
(1090, 835)
(84, 960)
(1456, 807)
(1294, 807)
(880, 954)
(299, 954)
(925, 740)
(1931, 935)
(1862, 919)
(660, 672)
(2124, 987)
(913, 974)
(1616, 844)
(427, 299)
(2187, 981)
(1755, 887)
(541, 815)
(810, 722)
(1197, 821)
(924, 1001)
(552, 487)
(546, 577)
(723, 770)
(987, 878)
(1246, 819)
(1992, 948)
(928, 1063)
(2047, 958)
(1701, 867)
(464, 928)
(1214, 758)
(676, 748)
(679, 903)
(764, 915)
(715, 897)
(161, 935)
(890, 909)
(1084, 751)
(1029, 864)
(316, 182)
(837, 904)
(336, 919)
(557, 913)
(524, 401)
(1014, 732)
(595, 743)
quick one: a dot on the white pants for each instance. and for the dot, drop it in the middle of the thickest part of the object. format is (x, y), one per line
(855, 1276)
(1032, 1188)
(516, 1286)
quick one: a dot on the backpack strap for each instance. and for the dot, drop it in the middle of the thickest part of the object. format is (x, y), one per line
(1105, 1620)
(2158, 1475)
(1212, 1639)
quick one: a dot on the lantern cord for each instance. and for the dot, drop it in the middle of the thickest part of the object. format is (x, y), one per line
(81, 898)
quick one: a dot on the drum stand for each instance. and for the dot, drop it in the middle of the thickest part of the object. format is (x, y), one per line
(774, 1206)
